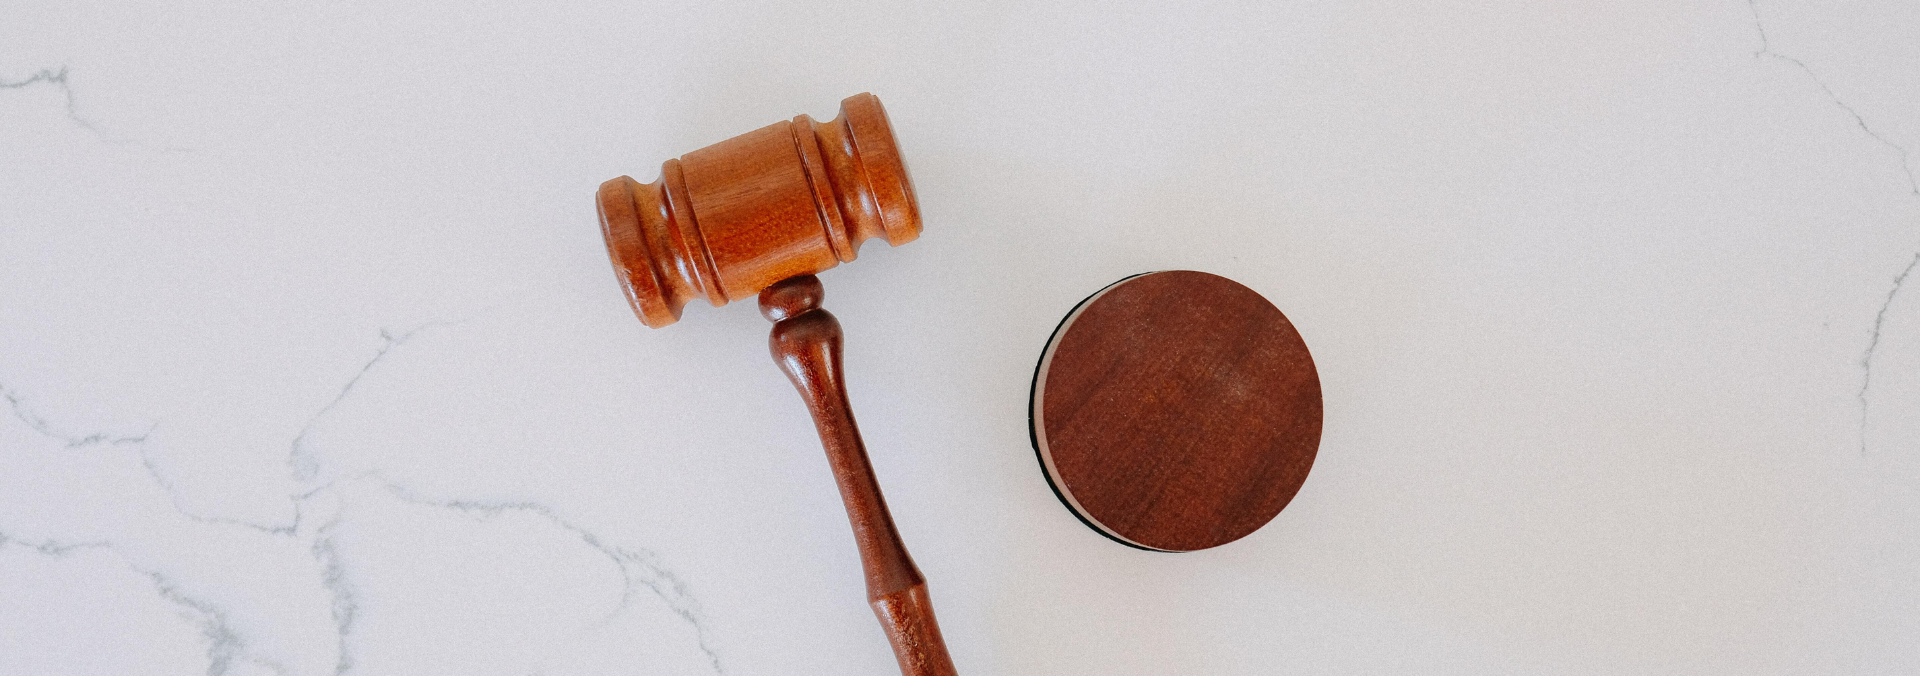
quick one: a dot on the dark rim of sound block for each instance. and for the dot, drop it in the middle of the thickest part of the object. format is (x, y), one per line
(1034, 412)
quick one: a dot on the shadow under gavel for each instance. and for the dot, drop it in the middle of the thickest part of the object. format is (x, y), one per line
(760, 213)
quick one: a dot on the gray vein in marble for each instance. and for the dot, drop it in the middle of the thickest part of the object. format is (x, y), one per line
(45, 428)
(173, 497)
(300, 457)
(1766, 51)
(1913, 187)
(58, 78)
(636, 566)
(224, 645)
(672, 590)
(304, 465)
(55, 548)
(345, 600)
(39, 423)
(1873, 344)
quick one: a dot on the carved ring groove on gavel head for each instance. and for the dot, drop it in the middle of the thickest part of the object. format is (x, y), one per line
(725, 221)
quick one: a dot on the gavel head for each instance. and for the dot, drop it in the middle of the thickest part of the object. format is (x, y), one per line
(725, 221)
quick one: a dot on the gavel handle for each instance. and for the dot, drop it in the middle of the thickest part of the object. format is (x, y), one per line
(806, 343)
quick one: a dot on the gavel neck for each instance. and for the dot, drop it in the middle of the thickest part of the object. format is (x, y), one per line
(806, 343)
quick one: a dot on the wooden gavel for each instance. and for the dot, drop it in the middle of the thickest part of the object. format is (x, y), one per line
(761, 213)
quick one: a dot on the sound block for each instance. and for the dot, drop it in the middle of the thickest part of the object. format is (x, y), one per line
(1176, 411)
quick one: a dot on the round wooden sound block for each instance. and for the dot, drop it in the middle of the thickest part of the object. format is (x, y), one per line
(1176, 411)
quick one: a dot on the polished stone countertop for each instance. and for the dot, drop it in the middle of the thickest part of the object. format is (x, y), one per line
(313, 363)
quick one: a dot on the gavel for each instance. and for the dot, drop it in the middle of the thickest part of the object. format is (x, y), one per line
(760, 213)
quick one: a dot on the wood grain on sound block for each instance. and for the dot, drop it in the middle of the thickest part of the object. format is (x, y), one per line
(1176, 411)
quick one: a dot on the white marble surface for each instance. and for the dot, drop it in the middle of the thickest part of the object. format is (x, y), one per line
(313, 362)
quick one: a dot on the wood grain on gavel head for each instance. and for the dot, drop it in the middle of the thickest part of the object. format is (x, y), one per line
(725, 221)
(1176, 411)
